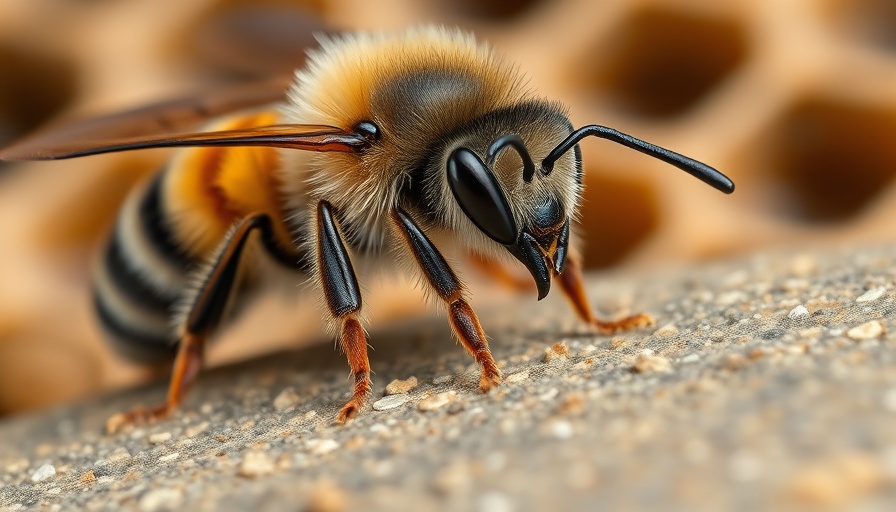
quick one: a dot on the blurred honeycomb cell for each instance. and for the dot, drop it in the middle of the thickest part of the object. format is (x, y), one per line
(254, 39)
(873, 22)
(35, 87)
(618, 215)
(833, 157)
(662, 61)
(494, 10)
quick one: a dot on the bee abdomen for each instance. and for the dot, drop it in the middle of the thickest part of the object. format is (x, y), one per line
(142, 274)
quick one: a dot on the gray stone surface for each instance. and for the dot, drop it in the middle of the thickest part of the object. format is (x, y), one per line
(768, 382)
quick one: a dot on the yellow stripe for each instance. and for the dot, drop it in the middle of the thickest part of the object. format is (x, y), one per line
(206, 190)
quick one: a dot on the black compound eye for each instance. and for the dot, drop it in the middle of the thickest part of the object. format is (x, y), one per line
(480, 196)
(369, 130)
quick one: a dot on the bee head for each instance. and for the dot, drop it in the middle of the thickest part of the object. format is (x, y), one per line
(542, 241)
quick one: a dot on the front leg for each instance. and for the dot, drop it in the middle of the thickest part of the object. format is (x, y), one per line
(343, 297)
(443, 281)
(571, 284)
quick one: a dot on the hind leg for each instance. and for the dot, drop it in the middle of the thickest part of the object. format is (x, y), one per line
(571, 284)
(202, 319)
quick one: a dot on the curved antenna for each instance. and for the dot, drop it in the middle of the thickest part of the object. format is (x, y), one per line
(699, 170)
(516, 143)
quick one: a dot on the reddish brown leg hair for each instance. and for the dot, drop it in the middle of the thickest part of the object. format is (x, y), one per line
(354, 344)
(571, 284)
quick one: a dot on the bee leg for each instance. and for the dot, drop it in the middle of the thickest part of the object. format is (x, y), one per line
(203, 317)
(441, 278)
(344, 301)
(571, 284)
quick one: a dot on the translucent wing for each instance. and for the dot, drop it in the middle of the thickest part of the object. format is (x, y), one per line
(166, 124)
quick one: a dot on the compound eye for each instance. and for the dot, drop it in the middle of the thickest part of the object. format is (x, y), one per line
(480, 196)
(369, 130)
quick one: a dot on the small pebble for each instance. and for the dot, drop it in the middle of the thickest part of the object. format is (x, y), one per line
(797, 312)
(744, 466)
(452, 479)
(398, 386)
(691, 358)
(889, 401)
(196, 429)
(321, 446)
(494, 501)
(866, 331)
(573, 403)
(558, 350)
(255, 464)
(287, 399)
(549, 395)
(161, 499)
(44, 472)
(160, 437)
(837, 481)
(436, 401)
(794, 285)
(325, 496)
(391, 402)
(872, 294)
(649, 363)
(169, 457)
(442, 379)
(457, 407)
(560, 429)
(118, 455)
(734, 362)
(517, 378)
(666, 331)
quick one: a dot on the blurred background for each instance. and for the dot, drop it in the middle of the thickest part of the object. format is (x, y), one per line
(796, 101)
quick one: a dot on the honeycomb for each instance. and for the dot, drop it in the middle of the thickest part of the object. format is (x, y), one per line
(793, 100)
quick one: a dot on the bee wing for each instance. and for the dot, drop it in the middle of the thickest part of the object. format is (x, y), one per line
(165, 124)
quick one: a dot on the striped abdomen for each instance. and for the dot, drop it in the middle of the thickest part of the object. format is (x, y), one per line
(169, 230)
(141, 276)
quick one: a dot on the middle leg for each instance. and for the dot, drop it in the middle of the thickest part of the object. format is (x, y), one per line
(441, 278)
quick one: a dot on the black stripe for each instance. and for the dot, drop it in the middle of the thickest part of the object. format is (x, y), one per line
(155, 226)
(132, 283)
(132, 342)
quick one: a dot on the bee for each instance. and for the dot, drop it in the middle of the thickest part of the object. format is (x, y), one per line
(383, 143)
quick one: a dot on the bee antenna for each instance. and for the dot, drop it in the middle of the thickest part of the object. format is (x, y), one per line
(699, 170)
(516, 143)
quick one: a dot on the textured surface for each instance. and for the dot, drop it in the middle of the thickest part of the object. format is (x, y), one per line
(768, 381)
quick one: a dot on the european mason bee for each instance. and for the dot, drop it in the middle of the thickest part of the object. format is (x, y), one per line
(383, 143)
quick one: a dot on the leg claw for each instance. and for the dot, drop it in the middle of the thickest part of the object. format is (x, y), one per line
(138, 416)
(489, 380)
(628, 323)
